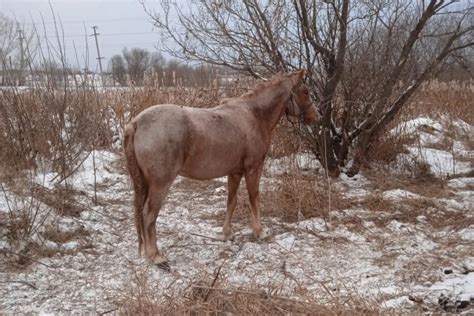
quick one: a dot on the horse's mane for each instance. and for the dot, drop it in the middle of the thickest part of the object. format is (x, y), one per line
(263, 85)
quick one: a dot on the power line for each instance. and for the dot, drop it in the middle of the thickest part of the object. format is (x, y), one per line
(91, 21)
(109, 34)
(122, 44)
(135, 33)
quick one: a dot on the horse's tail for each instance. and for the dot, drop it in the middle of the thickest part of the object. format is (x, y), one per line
(140, 186)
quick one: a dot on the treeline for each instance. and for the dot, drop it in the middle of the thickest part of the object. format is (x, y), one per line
(26, 61)
(139, 66)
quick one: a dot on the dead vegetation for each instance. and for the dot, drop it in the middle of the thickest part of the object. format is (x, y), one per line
(297, 196)
(290, 197)
(453, 98)
(209, 295)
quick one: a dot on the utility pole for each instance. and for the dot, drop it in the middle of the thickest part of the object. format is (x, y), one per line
(21, 38)
(99, 58)
(113, 71)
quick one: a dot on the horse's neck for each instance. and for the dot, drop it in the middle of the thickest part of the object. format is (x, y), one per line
(270, 105)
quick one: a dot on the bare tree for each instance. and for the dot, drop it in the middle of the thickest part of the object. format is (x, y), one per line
(365, 58)
(157, 62)
(118, 69)
(16, 42)
(137, 60)
(8, 37)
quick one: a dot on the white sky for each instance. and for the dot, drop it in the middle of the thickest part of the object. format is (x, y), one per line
(122, 23)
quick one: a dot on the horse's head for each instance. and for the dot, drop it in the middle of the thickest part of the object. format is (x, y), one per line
(300, 103)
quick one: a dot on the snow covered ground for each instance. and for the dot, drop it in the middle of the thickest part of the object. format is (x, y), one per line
(383, 257)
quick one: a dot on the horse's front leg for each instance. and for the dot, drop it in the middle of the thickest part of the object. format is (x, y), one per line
(252, 179)
(233, 182)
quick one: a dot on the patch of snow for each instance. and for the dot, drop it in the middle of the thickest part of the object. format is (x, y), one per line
(302, 161)
(460, 150)
(96, 168)
(47, 180)
(411, 126)
(428, 139)
(399, 194)
(6, 198)
(314, 224)
(397, 302)
(344, 232)
(286, 240)
(453, 204)
(71, 245)
(458, 287)
(396, 225)
(357, 181)
(99, 162)
(429, 132)
(357, 193)
(3, 243)
(442, 163)
(463, 127)
(467, 233)
(461, 183)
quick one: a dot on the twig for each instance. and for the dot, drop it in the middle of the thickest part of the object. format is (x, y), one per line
(109, 311)
(21, 282)
(72, 171)
(215, 280)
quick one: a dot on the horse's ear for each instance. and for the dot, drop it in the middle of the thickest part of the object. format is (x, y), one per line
(298, 75)
(301, 73)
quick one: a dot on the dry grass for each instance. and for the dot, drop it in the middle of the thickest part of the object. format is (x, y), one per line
(298, 196)
(211, 296)
(386, 149)
(375, 202)
(421, 181)
(440, 98)
(55, 234)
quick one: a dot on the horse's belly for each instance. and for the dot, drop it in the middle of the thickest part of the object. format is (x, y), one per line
(209, 167)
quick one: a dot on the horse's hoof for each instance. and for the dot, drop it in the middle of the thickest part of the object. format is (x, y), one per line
(164, 266)
(229, 237)
(264, 235)
(162, 263)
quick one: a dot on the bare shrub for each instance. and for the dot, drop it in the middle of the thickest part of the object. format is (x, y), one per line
(298, 196)
(55, 125)
(25, 217)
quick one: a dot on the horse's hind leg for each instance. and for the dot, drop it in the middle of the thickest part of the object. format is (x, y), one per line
(252, 180)
(233, 182)
(156, 195)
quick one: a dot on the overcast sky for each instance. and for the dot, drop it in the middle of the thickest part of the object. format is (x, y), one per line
(121, 23)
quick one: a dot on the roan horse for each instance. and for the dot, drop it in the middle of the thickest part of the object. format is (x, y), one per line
(232, 139)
